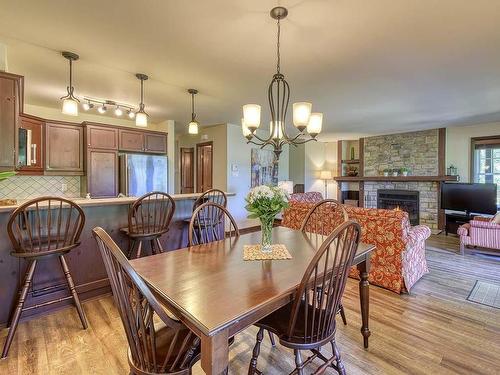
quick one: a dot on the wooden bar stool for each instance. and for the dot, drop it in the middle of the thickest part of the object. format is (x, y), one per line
(39, 229)
(148, 219)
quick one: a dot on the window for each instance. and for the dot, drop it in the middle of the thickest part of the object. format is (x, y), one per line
(486, 161)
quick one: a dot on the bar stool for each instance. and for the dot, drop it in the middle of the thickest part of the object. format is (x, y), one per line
(148, 219)
(40, 229)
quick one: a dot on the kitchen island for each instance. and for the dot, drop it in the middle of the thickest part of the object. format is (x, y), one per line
(85, 261)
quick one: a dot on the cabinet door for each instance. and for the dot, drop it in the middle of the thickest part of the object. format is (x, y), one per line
(8, 123)
(131, 140)
(102, 137)
(155, 143)
(64, 148)
(30, 145)
(102, 173)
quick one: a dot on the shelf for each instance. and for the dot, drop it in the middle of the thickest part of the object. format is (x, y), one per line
(397, 178)
(351, 161)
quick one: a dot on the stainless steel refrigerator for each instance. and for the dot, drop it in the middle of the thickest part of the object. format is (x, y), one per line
(141, 174)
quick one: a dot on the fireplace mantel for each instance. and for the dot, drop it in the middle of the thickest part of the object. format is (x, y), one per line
(397, 178)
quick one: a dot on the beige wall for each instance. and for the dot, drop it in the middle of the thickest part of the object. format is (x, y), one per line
(218, 135)
(320, 156)
(297, 164)
(458, 140)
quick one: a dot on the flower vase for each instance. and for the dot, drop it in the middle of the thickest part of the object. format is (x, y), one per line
(266, 227)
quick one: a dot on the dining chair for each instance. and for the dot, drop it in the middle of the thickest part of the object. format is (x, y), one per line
(148, 219)
(319, 222)
(308, 322)
(211, 222)
(40, 229)
(155, 348)
(212, 195)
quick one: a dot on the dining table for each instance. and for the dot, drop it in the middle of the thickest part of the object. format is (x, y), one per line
(216, 293)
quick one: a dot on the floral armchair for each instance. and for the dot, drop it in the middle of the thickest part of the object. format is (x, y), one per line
(479, 232)
(399, 259)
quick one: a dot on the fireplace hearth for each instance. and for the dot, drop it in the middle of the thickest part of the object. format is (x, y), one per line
(405, 200)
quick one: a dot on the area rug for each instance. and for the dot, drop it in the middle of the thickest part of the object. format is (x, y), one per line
(486, 294)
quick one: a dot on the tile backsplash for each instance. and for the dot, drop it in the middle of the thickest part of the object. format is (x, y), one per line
(27, 187)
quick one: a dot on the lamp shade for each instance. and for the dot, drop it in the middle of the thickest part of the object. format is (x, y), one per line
(301, 114)
(193, 127)
(141, 119)
(70, 107)
(325, 175)
(246, 132)
(315, 124)
(286, 185)
(251, 114)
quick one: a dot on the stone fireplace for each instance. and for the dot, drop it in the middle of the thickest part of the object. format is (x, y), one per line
(405, 200)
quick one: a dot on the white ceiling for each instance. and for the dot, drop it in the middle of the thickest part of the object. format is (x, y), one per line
(372, 66)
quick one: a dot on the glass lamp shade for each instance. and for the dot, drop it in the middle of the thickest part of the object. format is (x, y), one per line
(70, 107)
(141, 119)
(118, 111)
(301, 114)
(251, 114)
(246, 132)
(193, 127)
(315, 124)
(325, 175)
(276, 132)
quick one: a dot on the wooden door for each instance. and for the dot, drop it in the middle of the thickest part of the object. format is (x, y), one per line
(101, 137)
(8, 121)
(155, 143)
(102, 173)
(30, 151)
(130, 140)
(187, 170)
(204, 167)
(64, 148)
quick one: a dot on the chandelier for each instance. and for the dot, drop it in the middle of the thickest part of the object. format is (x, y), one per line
(279, 97)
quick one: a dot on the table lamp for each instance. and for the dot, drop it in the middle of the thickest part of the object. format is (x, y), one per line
(326, 176)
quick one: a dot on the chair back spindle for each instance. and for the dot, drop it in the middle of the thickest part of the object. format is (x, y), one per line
(211, 222)
(213, 196)
(151, 214)
(322, 219)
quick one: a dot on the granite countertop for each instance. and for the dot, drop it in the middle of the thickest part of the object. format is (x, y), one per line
(83, 202)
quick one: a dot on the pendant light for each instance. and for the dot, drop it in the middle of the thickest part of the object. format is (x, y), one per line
(141, 117)
(193, 125)
(278, 98)
(70, 102)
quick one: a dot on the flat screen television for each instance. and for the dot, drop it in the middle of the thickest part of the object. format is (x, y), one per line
(476, 198)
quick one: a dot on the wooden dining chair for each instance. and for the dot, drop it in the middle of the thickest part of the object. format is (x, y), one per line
(319, 222)
(213, 196)
(170, 349)
(148, 219)
(308, 322)
(40, 229)
(211, 222)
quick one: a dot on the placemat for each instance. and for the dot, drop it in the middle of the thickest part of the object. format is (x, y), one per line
(254, 252)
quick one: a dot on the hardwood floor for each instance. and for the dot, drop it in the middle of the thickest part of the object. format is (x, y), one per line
(434, 330)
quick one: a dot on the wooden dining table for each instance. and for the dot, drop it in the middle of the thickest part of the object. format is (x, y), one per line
(217, 294)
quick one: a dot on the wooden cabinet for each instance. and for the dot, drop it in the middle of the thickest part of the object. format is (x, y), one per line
(64, 148)
(30, 151)
(101, 137)
(155, 143)
(102, 173)
(11, 91)
(131, 140)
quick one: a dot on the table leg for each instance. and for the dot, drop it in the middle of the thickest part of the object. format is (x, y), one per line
(215, 353)
(364, 299)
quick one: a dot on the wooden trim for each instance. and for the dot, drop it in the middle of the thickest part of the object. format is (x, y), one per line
(441, 172)
(361, 157)
(130, 128)
(492, 139)
(339, 171)
(397, 178)
(198, 146)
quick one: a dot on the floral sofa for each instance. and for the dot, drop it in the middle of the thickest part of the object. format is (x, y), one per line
(399, 260)
(479, 232)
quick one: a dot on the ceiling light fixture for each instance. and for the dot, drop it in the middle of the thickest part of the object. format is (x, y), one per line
(87, 105)
(130, 114)
(141, 117)
(193, 125)
(118, 111)
(279, 97)
(102, 109)
(69, 101)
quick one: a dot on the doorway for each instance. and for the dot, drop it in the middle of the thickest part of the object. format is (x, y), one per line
(204, 166)
(187, 170)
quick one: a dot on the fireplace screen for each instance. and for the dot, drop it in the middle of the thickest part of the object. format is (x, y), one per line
(405, 200)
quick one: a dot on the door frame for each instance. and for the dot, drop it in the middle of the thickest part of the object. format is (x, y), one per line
(198, 146)
(193, 167)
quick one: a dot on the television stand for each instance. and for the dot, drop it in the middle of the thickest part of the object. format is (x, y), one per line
(453, 221)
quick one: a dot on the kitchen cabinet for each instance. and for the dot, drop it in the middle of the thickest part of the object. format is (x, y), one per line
(155, 143)
(101, 137)
(30, 145)
(131, 140)
(11, 92)
(102, 173)
(64, 149)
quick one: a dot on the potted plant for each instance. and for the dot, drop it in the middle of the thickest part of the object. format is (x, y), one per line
(404, 171)
(264, 203)
(352, 171)
(395, 172)
(386, 172)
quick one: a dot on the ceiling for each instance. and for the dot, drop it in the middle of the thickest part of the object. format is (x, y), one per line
(372, 67)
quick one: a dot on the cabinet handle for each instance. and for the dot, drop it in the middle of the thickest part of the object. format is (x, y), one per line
(33, 147)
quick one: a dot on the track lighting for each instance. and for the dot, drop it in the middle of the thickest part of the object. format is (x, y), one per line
(87, 105)
(102, 109)
(118, 111)
(130, 114)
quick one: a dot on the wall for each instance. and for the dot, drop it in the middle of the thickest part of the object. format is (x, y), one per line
(458, 140)
(27, 187)
(320, 156)
(238, 181)
(296, 165)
